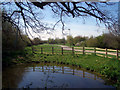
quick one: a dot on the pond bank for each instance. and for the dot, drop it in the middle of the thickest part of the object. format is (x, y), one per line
(109, 68)
(51, 75)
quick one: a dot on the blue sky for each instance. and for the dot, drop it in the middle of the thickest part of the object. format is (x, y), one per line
(76, 25)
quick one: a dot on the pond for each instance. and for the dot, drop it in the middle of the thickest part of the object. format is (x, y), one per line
(51, 76)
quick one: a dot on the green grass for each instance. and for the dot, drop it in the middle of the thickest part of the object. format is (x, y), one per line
(109, 67)
(46, 45)
(47, 49)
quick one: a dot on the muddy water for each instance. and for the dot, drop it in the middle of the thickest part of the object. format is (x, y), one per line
(50, 76)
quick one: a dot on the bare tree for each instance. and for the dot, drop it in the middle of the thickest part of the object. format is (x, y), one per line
(24, 15)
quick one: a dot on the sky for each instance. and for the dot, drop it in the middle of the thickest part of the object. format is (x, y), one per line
(73, 26)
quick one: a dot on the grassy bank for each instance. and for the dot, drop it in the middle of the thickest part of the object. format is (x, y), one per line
(110, 68)
(12, 57)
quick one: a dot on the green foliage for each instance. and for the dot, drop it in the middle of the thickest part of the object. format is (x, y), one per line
(13, 42)
(91, 42)
(83, 43)
(104, 41)
(70, 40)
(37, 41)
(61, 41)
(78, 39)
(56, 41)
(112, 41)
(51, 41)
(100, 41)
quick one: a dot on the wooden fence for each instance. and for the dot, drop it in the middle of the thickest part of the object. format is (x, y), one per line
(110, 53)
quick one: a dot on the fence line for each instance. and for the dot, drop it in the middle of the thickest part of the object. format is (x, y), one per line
(79, 50)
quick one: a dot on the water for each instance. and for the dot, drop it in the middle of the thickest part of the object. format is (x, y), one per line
(50, 76)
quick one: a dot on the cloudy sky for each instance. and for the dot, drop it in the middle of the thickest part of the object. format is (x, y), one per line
(73, 26)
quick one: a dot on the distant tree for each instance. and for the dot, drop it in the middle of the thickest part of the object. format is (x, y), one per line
(37, 41)
(112, 41)
(78, 39)
(62, 41)
(70, 40)
(91, 42)
(51, 41)
(100, 41)
(107, 40)
(57, 41)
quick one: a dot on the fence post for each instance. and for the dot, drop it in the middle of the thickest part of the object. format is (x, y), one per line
(41, 50)
(106, 52)
(83, 74)
(72, 50)
(83, 50)
(95, 50)
(62, 50)
(117, 54)
(52, 50)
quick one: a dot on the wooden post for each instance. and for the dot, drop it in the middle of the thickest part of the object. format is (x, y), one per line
(94, 77)
(42, 69)
(83, 50)
(106, 52)
(63, 69)
(117, 54)
(52, 50)
(53, 69)
(72, 50)
(95, 50)
(41, 50)
(73, 72)
(33, 68)
(62, 50)
(83, 74)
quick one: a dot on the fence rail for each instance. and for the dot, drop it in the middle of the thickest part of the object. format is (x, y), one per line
(110, 53)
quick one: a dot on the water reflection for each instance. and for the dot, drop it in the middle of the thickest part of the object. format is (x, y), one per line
(50, 76)
(12, 76)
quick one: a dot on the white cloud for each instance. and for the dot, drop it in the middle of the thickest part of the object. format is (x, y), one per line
(86, 30)
(75, 30)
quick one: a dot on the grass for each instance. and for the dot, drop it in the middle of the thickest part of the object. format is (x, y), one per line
(108, 67)
(47, 49)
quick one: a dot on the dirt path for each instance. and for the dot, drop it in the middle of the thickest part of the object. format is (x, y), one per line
(65, 47)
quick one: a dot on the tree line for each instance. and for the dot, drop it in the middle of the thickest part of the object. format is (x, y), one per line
(107, 40)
